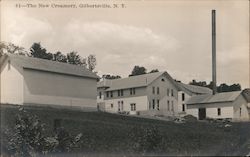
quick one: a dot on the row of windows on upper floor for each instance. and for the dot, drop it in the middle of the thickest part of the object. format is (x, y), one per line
(132, 92)
(158, 91)
(119, 93)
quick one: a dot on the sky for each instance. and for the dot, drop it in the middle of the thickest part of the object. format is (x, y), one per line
(172, 36)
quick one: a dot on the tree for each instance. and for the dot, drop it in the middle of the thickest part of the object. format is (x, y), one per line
(228, 88)
(199, 83)
(11, 48)
(154, 71)
(91, 62)
(111, 77)
(2, 48)
(138, 71)
(84, 62)
(74, 58)
(38, 51)
(221, 88)
(58, 56)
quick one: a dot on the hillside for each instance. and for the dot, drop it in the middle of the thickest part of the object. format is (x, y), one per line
(105, 133)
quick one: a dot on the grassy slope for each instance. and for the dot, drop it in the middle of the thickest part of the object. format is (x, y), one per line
(110, 133)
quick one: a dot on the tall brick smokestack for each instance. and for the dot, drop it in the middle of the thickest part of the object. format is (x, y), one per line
(214, 50)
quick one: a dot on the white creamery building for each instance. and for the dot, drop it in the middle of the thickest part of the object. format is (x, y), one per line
(151, 94)
(28, 80)
(229, 105)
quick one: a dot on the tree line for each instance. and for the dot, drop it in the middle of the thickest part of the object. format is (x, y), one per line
(37, 51)
(73, 57)
(137, 70)
(220, 88)
(140, 70)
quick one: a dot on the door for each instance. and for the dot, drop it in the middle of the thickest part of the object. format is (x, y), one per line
(202, 113)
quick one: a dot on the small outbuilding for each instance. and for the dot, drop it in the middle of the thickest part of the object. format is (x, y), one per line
(227, 105)
(27, 80)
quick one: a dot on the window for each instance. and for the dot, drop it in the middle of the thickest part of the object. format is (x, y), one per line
(122, 105)
(132, 91)
(240, 111)
(158, 90)
(158, 104)
(183, 107)
(153, 103)
(168, 106)
(119, 106)
(167, 92)
(100, 95)
(107, 94)
(133, 107)
(162, 80)
(183, 96)
(111, 105)
(172, 105)
(120, 92)
(111, 94)
(172, 92)
(219, 111)
(153, 90)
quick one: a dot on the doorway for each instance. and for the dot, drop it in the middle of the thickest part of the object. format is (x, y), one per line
(202, 113)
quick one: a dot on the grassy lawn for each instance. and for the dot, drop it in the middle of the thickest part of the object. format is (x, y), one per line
(105, 133)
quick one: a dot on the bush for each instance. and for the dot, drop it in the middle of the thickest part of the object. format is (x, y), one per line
(27, 138)
(145, 140)
(190, 118)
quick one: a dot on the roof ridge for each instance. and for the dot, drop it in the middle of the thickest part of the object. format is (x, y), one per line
(51, 66)
(136, 76)
(45, 60)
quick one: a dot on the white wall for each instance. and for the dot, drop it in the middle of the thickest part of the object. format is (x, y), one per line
(141, 104)
(226, 112)
(164, 106)
(162, 96)
(244, 116)
(11, 84)
(194, 112)
(180, 102)
(56, 89)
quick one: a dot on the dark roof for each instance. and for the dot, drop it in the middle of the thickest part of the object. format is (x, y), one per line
(195, 89)
(133, 81)
(217, 98)
(50, 66)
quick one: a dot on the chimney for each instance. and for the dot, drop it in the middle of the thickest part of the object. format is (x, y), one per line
(214, 51)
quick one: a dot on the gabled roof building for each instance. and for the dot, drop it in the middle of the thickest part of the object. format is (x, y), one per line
(150, 94)
(27, 80)
(230, 105)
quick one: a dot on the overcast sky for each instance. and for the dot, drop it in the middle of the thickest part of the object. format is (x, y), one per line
(172, 36)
